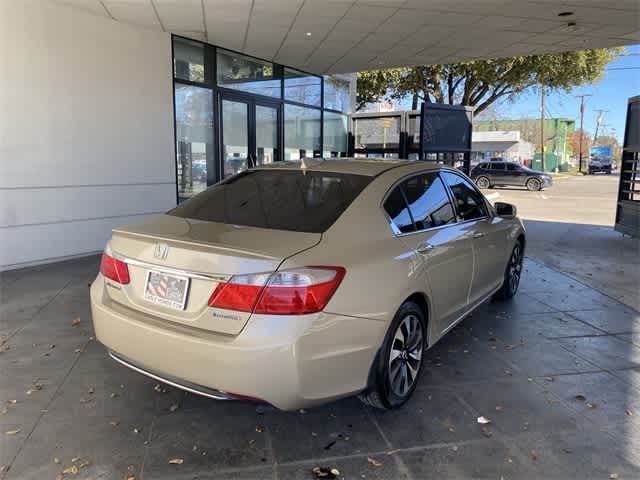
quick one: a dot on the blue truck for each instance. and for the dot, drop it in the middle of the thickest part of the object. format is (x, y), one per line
(601, 159)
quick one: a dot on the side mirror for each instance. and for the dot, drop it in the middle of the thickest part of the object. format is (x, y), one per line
(505, 209)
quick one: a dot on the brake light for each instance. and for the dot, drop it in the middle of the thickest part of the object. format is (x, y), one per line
(289, 292)
(114, 269)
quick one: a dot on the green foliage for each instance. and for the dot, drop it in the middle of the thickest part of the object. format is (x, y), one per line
(480, 83)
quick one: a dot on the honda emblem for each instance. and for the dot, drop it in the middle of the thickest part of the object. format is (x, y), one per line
(161, 250)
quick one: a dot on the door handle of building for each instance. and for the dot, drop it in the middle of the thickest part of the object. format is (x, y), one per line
(425, 248)
(478, 235)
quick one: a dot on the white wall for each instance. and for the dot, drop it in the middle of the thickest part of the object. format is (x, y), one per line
(86, 130)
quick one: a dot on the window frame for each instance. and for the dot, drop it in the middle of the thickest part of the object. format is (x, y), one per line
(488, 208)
(394, 229)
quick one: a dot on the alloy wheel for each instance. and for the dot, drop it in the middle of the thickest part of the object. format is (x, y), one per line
(515, 269)
(533, 184)
(405, 356)
(483, 182)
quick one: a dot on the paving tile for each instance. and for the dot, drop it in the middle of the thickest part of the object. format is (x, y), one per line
(578, 299)
(337, 429)
(546, 358)
(434, 417)
(612, 320)
(355, 467)
(522, 303)
(606, 352)
(517, 405)
(108, 450)
(224, 436)
(487, 458)
(599, 396)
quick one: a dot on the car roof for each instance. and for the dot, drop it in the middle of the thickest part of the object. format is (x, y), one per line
(357, 166)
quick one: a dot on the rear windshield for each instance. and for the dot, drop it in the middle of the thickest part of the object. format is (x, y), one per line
(292, 200)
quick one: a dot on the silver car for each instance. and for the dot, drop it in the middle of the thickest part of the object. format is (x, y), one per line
(300, 283)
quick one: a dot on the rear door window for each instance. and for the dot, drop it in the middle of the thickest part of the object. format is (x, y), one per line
(469, 202)
(294, 200)
(398, 211)
(512, 167)
(497, 166)
(428, 201)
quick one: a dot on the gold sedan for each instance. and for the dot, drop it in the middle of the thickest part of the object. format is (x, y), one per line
(300, 283)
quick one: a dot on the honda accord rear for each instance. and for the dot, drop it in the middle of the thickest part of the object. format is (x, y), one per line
(287, 284)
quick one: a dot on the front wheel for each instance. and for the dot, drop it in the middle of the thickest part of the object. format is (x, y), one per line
(397, 366)
(512, 274)
(534, 185)
(483, 182)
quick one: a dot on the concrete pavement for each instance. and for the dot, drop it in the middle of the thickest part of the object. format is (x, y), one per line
(556, 371)
(570, 228)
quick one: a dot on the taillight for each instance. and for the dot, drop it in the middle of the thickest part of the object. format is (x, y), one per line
(289, 292)
(114, 269)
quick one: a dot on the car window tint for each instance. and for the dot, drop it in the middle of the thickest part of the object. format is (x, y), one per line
(397, 209)
(291, 200)
(482, 165)
(469, 203)
(428, 201)
(512, 167)
(497, 166)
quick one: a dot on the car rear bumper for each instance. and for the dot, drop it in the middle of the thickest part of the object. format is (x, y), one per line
(288, 361)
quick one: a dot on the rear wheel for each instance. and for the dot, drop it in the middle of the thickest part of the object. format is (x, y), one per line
(483, 182)
(397, 367)
(512, 274)
(534, 184)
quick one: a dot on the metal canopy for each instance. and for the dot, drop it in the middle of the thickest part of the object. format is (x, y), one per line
(331, 36)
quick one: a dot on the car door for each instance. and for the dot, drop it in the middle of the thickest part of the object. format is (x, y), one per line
(423, 217)
(498, 173)
(516, 175)
(488, 233)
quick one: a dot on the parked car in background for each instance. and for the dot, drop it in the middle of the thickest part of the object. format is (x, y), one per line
(499, 174)
(301, 282)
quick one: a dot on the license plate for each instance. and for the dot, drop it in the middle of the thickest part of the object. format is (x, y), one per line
(167, 290)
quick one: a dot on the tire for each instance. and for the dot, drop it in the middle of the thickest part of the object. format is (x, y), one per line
(396, 369)
(483, 182)
(533, 185)
(512, 274)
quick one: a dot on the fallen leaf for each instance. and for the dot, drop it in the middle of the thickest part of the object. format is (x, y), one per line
(173, 407)
(259, 428)
(324, 472)
(483, 420)
(12, 432)
(580, 398)
(534, 455)
(136, 430)
(629, 413)
(486, 432)
(73, 470)
(374, 462)
(613, 476)
(114, 395)
(75, 459)
(392, 452)
(12, 402)
(176, 461)
(302, 411)
(592, 406)
(131, 477)
(75, 322)
(56, 460)
(114, 424)
(498, 408)
(567, 450)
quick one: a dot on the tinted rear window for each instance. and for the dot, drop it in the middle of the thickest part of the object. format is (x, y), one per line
(292, 200)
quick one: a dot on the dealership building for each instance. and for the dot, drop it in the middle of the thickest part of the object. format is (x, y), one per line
(114, 110)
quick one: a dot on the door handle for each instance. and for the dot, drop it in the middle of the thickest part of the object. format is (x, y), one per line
(424, 248)
(478, 235)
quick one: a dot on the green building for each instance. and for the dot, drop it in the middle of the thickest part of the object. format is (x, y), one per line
(557, 134)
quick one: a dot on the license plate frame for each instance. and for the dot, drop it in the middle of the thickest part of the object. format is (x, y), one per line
(166, 282)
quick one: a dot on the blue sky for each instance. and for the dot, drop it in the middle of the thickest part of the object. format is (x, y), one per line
(620, 81)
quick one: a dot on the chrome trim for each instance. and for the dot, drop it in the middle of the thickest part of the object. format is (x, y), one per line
(160, 268)
(189, 387)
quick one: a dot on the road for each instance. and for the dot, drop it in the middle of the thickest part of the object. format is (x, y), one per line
(570, 228)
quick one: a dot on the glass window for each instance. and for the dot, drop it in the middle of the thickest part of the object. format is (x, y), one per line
(301, 87)
(301, 132)
(294, 200)
(512, 167)
(398, 212)
(194, 138)
(377, 132)
(335, 135)
(469, 203)
(235, 137)
(497, 166)
(247, 74)
(188, 60)
(337, 92)
(428, 201)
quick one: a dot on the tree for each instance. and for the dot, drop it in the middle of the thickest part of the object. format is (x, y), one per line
(481, 83)
(579, 137)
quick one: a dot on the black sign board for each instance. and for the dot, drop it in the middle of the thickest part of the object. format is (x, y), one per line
(446, 128)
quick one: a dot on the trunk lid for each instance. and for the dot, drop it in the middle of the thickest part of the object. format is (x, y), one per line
(205, 253)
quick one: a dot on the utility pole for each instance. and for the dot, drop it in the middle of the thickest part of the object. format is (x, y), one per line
(599, 120)
(542, 129)
(582, 135)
